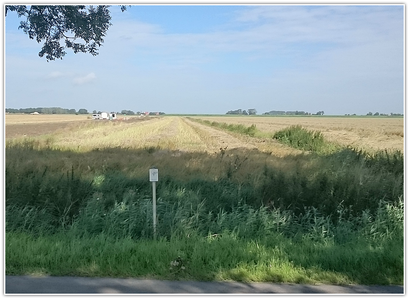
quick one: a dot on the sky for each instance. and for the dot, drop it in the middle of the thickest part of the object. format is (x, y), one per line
(209, 59)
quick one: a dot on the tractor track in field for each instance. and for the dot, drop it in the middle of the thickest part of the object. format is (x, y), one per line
(164, 132)
(216, 139)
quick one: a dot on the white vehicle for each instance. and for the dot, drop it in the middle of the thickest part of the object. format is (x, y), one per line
(104, 115)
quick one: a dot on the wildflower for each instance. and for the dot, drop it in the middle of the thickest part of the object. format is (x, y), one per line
(174, 263)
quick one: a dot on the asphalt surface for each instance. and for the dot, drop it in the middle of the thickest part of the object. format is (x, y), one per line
(87, 285)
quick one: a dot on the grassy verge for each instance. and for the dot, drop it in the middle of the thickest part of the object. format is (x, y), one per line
(225, 256)
(243, 245)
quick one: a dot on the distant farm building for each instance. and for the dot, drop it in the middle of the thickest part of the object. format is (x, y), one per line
(104, 115)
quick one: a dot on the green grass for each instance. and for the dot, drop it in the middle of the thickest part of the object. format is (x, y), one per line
(273, 258)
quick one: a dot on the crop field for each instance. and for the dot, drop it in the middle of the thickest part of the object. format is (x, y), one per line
(366, 133)
(374, 133)
(279, 199)
(173, 133)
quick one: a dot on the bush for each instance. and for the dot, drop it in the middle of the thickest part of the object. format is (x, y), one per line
(300, 138)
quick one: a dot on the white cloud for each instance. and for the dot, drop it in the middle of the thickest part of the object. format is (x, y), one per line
(265, 30)
(85, 79)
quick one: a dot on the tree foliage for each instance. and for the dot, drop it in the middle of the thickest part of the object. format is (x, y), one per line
(242, 111)
(42, 110)
(128, 112)
(82, 111)
(59, 27)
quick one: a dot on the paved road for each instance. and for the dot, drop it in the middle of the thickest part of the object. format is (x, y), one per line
(87, 285)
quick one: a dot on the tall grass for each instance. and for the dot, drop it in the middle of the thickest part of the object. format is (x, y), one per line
(349, 179)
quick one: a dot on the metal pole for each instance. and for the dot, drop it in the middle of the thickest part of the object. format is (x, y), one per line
(154, 208)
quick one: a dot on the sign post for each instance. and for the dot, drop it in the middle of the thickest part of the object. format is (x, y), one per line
(153, 177)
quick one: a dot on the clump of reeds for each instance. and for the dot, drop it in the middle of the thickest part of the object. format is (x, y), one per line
(298, 137)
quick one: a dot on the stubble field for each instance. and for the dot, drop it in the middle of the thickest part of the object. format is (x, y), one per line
(231, 205)
(180, 133)
(374, 133)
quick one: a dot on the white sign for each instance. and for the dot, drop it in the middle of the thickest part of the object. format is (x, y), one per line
(153, 175)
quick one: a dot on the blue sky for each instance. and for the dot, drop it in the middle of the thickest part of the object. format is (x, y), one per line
(209, 59)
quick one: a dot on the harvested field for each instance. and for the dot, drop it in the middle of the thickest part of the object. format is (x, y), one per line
(217, 139)
(170, 133)
(43, 118)
(367, 133)
(23, 125)
(180, 133)
(34, 129)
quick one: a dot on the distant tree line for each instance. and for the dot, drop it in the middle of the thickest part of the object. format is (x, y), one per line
(51, 110)
(243, 112)
(130, 112)
(58, 110)
(383, 114)
(275, 112)
(156, 113)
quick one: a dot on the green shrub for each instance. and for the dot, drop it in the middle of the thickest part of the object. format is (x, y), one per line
(238, 128)
(300, 138)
